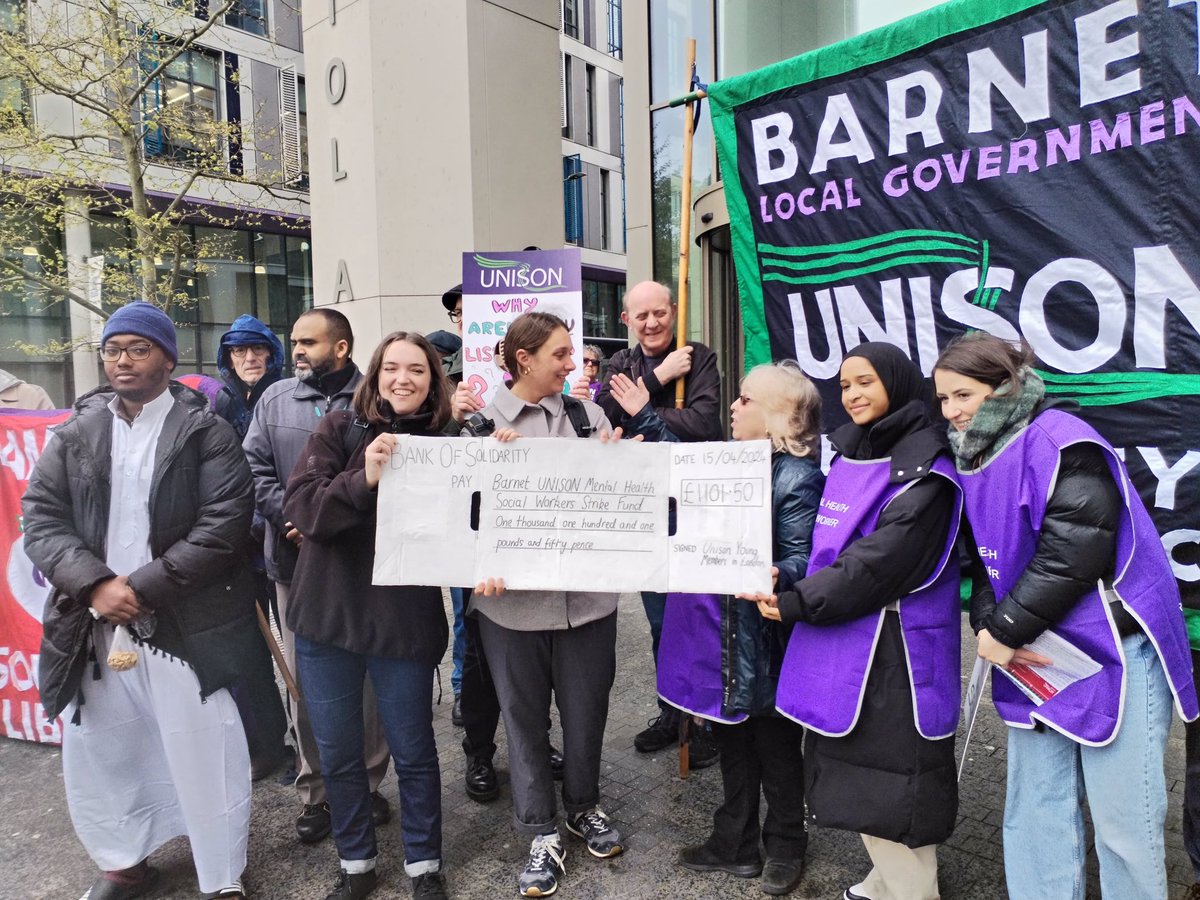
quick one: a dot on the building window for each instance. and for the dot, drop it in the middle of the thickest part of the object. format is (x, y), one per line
(568, 120)
(14, 95)
(614, 28)
(589, 84)
(302, 116)
(570, 18)
(293, 128)
(182, 108)
(573, 199)
(604, 233)
(248, 15)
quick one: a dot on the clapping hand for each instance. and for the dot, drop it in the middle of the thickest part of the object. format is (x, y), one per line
(632, 397)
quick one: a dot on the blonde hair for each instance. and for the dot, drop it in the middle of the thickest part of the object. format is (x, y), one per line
(791, 406)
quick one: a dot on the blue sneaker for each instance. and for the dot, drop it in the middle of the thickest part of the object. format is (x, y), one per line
(545, 866)
(601, 838)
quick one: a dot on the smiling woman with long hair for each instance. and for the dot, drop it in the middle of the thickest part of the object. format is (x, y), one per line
(1070, 552)
(348, 629)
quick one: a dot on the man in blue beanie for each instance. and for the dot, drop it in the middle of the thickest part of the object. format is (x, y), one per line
(138, 514)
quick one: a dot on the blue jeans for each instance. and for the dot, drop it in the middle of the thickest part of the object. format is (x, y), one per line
(333, 691)
(1048, 776)
(459, 648)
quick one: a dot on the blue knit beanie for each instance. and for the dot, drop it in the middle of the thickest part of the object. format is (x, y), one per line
(145, 320)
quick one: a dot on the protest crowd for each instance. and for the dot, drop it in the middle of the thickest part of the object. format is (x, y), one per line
(184, 520)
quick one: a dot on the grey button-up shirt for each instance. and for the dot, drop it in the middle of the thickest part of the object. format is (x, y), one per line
(543, 610)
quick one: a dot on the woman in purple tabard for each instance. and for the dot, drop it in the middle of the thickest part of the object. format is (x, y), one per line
(720, 659)
(1065, 546)
(872, 667)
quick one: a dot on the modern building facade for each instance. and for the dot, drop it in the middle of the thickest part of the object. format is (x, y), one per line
(442, 128)
(593, 150)
(732, 37)
(242, 250)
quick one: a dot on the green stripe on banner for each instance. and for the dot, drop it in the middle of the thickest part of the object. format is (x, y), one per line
(876, 46)
(889, 237)
(993, 298)
(841, 274)
(979, 299)
(880, 253)
(1115, 388)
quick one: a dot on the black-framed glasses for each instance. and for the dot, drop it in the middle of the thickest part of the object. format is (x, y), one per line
(455, 315)
(589, 363)
(256, 349)
(109, 353)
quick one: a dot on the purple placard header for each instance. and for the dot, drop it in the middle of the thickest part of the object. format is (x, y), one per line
(523, 272)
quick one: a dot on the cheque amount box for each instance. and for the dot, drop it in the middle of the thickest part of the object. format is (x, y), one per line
(721, 492)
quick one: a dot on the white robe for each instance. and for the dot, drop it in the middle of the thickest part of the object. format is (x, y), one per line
(149, 762)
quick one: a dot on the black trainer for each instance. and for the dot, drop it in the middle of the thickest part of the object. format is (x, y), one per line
(121, 886)
(313, 823)
(429, 886)
(353, 887)
(456, 718)
(482, 785)
(702, 749)
(662, 733)
(381, 810)
(701, 858)
(601, 838)
(781, 876)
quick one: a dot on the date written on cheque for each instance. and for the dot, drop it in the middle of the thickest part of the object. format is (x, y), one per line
(721, 492)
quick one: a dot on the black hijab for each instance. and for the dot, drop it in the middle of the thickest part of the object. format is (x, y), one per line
(906, 432)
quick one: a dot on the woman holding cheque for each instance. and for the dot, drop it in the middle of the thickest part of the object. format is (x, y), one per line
(872, 667)
(1069, 559)
(538, 642)
(347, 628)
(720, 659)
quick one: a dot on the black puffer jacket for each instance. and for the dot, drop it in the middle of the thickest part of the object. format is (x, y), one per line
(752, 647)
(201, 502)
(1075, 548)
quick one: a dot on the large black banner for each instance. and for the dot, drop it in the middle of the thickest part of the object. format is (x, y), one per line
(1027, 169)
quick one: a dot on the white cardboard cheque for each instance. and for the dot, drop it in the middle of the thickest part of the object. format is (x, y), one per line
(565, 514)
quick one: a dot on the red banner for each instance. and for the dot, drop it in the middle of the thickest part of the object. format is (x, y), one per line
(23, 589)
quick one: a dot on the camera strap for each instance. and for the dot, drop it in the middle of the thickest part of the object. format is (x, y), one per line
(577, 413)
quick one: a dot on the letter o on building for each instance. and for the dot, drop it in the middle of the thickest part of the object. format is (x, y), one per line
(335, 80)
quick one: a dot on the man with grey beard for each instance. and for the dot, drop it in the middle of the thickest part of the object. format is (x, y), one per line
(286, 414)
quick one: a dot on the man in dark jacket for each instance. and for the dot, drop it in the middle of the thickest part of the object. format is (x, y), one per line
(657, 362)
(250, 360)
(138, 513)
(285, 416)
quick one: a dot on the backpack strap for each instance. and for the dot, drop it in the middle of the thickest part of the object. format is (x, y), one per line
(577, 413)
(353, 436)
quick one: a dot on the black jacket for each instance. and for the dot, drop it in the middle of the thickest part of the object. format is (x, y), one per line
(201, 502)
(1075, 548)
(332, 599)
(752, 647)
(700, 418)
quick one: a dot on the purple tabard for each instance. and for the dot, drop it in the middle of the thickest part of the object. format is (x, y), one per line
(825, 668)
(690, 654)
(1006, 502)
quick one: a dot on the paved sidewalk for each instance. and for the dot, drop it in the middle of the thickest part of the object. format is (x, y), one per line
(655, 811)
